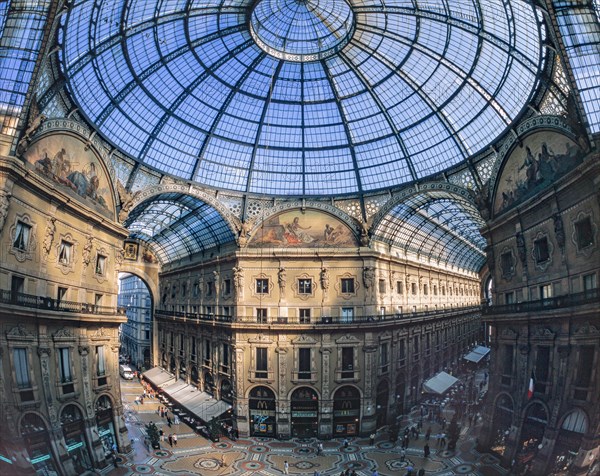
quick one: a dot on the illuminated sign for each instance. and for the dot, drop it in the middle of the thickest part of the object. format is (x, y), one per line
(39, 459)
(75, 446)
(6, 460)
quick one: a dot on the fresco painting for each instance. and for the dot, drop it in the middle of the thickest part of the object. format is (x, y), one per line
(65, 161)
(543, 157)
(311, 229)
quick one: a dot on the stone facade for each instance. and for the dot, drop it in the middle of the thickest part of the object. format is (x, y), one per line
(59, 319)
(301, 343)
(544, 259)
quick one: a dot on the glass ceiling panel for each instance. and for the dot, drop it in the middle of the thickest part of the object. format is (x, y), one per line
(302, 94)
(437, 226)
(177, 226)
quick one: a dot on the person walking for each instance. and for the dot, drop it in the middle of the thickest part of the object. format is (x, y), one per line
(426, 450)
(175, 439)
(320, 449)
(346, 442)
(402, 454)
(428, 434)
(421, 472)
(286, 468)
(372, 439)
(170, 438)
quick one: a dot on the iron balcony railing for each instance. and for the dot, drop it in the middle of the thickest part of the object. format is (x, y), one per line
(60, 305)
(333, 320)
(591, 296)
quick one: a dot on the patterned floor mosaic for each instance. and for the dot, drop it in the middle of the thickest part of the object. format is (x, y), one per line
(255, 456)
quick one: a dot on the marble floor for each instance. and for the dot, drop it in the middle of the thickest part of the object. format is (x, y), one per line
(194, 454)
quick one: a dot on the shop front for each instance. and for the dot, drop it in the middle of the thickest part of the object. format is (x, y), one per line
(73, 428)
(37, 442)
(305, 413)
(346, 411)
(262, 412)
(105, 425)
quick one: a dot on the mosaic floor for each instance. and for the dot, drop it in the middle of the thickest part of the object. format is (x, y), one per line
(194, 454)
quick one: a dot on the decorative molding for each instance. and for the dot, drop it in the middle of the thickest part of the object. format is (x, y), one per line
(260, 339)
(347, 339)
(304, 339)
(19, 332)
(543, 333)
(508, 333)
(586, 330)
(63, 333)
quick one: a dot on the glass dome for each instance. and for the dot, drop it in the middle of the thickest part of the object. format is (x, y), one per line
(301, 97)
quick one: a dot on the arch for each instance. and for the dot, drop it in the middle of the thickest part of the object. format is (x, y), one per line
(304, 405)
(437, 221)
(151, 192)
(262, 404)
(346, 410)
(69, 129)
(576, 421)
(194, 375)
(304, 205)
(180, 224)
(502, 421)
(75, 410)
(226, 390)
(31, 422)
(73, 429)
(105, 426)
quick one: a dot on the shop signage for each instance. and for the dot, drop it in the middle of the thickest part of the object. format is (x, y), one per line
(304, 414)
(39, 459)
(75, 446)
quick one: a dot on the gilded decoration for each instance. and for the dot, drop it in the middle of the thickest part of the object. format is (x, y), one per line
(311, 229)
(541, 159)
(79, 172)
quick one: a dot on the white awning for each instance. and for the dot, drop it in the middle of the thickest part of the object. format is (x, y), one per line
(477, 354)
(200, 404)
(440, 383)
(158, 376)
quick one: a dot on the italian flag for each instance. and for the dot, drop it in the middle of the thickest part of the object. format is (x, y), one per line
(531, 388)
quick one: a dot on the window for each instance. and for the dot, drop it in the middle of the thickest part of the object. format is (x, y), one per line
(584, 371)
(347, 314)
(402, 352)
(584, 234)
(21, 368)
(261, 363)
(347, 362)
(64, 361)
(509, 298)
(399, 287)
(589, 282)
(304, 316)
(425, 289)
(413, 287)
(100, 362)
(383, 357)
(210, 288)
(196, 290)
(305, 286)
(64, 252)
(382, 286)
(100, 265)
(61, 294)
(541, 250)
(261, 315)
(227, 286)
(262, 286)
(17, 288)
(507, 264)
(304, 364)
(98, 300)
(416, 345)
(546, 291)
(435, 290)
(347, 285)
(207, 352)
(225, 358)
(183, 290)
(193, 343)
(542, 368)
(22, 233)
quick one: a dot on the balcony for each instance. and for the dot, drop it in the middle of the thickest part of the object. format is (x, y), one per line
(323, 321)
(591, 296)
(49, 304)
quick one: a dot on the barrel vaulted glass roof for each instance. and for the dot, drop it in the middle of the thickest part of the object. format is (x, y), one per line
(438, 227)
(178, 226)
(312, 97)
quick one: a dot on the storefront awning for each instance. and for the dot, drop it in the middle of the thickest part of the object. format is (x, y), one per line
(200, 404)
(477, 354)
(440, 383)
(158, 376)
